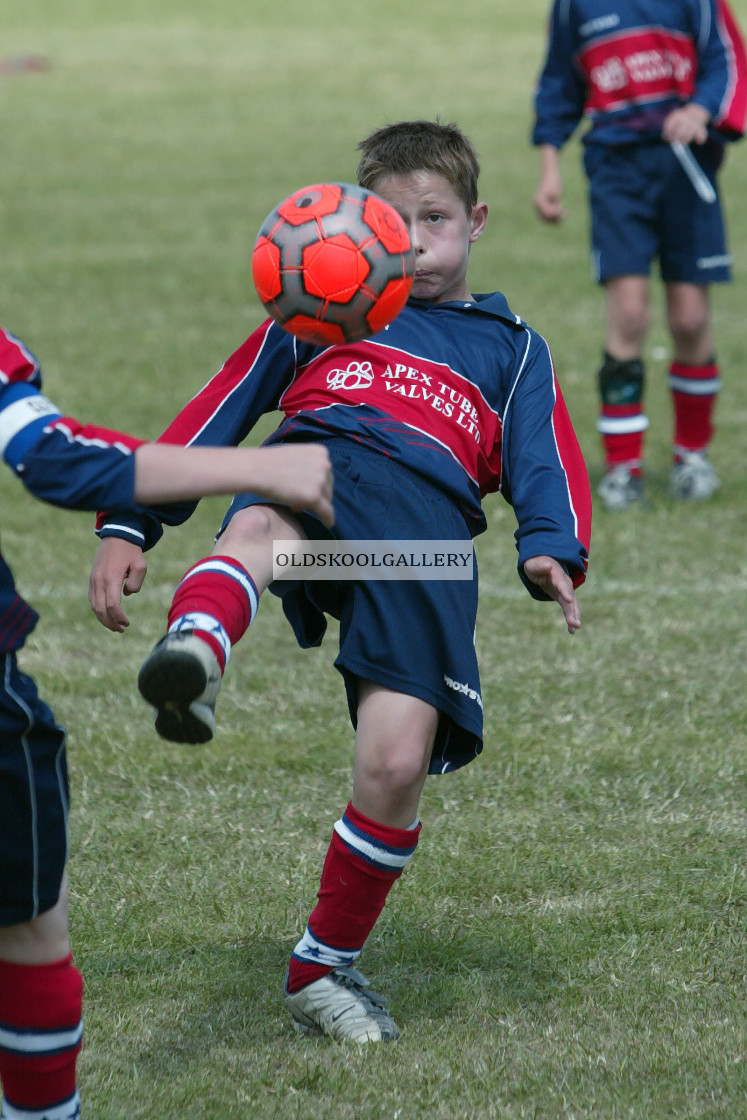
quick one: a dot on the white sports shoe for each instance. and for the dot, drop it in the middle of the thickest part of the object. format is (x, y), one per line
(181, 678)
(341, 1005)
(620, 488)
(693, 478)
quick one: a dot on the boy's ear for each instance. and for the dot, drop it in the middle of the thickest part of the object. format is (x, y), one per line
(478, 220)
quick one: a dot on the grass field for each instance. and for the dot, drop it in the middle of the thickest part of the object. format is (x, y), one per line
(571, 939)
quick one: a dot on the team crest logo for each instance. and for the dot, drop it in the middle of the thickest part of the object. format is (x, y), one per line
(358, 375)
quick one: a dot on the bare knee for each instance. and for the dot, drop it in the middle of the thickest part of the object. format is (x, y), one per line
(629, 316)
(688, 319)
(631, 326)
(261, 523)
(395, 767)
(393, 747)
(689, 331)
(249, 537)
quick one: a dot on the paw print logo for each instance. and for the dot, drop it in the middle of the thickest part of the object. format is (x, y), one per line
(358, 375)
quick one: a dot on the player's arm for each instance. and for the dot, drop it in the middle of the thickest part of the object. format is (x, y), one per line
(558, 104)
(545, 478)
(559, 99)
(548, 197)
(298, 475)
(79, 466)
(721, 75)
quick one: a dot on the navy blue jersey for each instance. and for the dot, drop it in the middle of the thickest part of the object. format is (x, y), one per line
(61, 461)
(625, 64)
(463, 393)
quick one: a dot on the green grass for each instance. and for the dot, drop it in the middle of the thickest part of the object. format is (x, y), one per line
(570, 940)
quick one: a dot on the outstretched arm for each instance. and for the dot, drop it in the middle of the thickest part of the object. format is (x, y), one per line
(79, 466)
(552, 578)
(298, 475)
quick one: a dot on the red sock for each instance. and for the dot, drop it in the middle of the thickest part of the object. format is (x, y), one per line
(363, 862)
(622, 427)
(694, 390)
(40, 1033)
(622, 420)
(217, 599)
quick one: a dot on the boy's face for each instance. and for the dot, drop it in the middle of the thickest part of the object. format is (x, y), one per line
(440, 229)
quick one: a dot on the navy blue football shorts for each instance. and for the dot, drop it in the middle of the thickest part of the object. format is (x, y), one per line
(34, 796)
(412, 636)
(644, 206)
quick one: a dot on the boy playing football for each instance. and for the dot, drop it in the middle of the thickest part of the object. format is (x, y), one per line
(459, 399)
(664, 86)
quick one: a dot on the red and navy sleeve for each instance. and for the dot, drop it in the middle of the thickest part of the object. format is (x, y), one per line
(58, 459)
(560, 93)
(17, 364)
(79, 466)
(545, 475)
(722, 72)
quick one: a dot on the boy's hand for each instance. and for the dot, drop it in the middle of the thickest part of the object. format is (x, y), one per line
(119, 566)
(299, 475)
(687, 124)
(554, 581)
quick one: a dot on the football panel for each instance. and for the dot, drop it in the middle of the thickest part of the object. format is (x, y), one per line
(389, 303)
(387, 266)
(266, 269)
(319, 331)
(293, 299)
(386, 223)
(334, 269)
(310, 203)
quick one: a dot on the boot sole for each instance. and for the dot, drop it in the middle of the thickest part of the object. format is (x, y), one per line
(171, 682)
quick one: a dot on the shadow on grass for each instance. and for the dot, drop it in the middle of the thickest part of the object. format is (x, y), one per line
(175, 1007)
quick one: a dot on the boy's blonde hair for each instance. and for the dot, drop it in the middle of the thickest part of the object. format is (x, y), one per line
(410, 146)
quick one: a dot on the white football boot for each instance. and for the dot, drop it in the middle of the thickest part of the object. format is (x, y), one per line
(693, 478)
(342, 1006)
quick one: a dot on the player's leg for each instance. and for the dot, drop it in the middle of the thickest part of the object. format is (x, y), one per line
(622, 418)
(694, 255)
(694, 383)
(41, 991)
(624, 202)
(41, 995)
(393, 747)
(212, 608)
(370, 847)
(628, 316)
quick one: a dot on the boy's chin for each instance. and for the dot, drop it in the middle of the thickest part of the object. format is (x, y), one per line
(426, 289)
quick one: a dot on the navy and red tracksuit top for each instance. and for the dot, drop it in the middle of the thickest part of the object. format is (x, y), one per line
(464, 394)
(60, 460)
(625, 64)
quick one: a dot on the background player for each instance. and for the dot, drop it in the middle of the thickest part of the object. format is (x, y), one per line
(80, 467)
(459, 400)
(648, 77)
